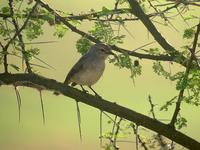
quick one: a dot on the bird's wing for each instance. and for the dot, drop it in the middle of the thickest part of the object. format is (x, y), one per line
(76, 68)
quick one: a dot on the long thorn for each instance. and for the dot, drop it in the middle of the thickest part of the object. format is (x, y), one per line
(42, 106)
(18, 103)
(44, 62)
(79, 119)
(43, 42)
(100, 128)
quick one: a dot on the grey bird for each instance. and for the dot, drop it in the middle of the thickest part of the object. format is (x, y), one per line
(90, 67)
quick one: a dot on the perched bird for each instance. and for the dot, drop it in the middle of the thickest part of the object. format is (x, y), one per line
(90, 67)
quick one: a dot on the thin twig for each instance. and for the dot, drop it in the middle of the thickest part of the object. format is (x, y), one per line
(160, 139)
(19, 36)
(5, 60)
(182, 17)
(135, 131)
(113, 128)
(116, 134)
(22, 27)
(108, 116)
(118, 49)
(142, 46)
(115, 8)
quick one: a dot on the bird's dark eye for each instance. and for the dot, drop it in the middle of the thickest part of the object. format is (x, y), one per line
(102, 50)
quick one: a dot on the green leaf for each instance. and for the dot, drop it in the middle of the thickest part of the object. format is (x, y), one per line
(158, 68)
(83, 45)
(105, 11)
(124, 61)
(104, 32)
(122, 1)
(34, 29)
(4, 31)
(167, 104)
(27, 55)
(136, 70)
(181, 122)
(5, 10)
(60, 30)
(188, 33)
(154, 51)
(33, 51)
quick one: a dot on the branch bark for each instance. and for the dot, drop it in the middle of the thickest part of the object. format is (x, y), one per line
(137, 11)
(181, 60)
(19, 35)
(36, 81)
(185, 78)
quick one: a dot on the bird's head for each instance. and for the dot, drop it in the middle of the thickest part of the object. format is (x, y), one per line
(102, 50)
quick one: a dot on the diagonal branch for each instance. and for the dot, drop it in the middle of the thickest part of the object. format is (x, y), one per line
(19, 35)
(22, 27)
(36, 81)
(185, 78)
(182, 60)
(97, 15)
(137, 11)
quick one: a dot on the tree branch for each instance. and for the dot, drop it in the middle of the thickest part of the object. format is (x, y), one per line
(97, 15)
(5, 60)
(36, 81)
(182, 60)
(137, 11)
(159, 137)
(22, 27)
(185, 78)
(19, 36)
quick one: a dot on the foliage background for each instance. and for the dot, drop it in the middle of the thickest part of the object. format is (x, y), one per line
(61, 129)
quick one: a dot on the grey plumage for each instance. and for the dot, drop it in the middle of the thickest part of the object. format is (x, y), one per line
(90, 67)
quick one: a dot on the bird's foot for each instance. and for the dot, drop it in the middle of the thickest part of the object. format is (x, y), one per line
(84, 90)
(96, 94)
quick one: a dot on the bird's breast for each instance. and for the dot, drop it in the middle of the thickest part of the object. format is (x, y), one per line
(90, 73)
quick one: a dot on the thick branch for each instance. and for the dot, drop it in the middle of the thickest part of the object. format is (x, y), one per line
(137, 11)
(33, 80)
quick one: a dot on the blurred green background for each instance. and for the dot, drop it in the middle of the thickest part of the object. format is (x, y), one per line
(61, 129)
